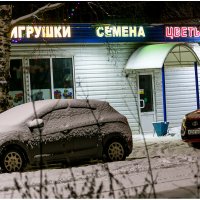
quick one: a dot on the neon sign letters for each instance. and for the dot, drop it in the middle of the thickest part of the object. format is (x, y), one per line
(181, 32)
(41, 31)
(65, 31)
(101, 33)
(120, 31)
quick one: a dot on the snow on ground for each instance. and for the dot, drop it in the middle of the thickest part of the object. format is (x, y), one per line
(174, 165)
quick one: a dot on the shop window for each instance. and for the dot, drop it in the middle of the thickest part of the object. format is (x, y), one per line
(63, 78)
(16, 81)
(40, 79)
(49, 78)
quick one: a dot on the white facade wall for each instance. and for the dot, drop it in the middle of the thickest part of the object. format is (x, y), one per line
(99, 75)
(98, 72)
(196, 48)
(158, 95)
(180, 93)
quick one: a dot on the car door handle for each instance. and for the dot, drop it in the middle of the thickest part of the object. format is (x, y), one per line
(66, 131)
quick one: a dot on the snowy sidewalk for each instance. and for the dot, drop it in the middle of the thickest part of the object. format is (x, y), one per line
(172, 160)
(170, 148)
(173, 164)
(173, 134)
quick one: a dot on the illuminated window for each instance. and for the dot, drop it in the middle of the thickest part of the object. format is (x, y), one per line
(63, 78)
(40, 79)
(50, 78)
(54, 81)
(16, 81)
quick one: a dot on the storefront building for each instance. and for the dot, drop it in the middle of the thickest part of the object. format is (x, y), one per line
(147, 73)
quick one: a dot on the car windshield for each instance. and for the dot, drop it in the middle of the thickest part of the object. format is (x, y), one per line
(21, 113)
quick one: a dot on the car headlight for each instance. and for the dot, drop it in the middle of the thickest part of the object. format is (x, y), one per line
(183, 122)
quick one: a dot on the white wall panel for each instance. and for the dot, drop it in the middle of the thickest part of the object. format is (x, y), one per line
(100, 76)
(180, 93)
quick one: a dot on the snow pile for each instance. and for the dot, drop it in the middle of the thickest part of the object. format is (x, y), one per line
(175, 132)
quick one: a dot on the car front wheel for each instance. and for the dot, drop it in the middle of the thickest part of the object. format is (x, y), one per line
(115, 151)
(13, 161)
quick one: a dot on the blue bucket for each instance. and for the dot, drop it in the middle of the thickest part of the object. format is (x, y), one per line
(160, 128)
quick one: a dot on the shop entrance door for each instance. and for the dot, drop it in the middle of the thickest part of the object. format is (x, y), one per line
(146, 102)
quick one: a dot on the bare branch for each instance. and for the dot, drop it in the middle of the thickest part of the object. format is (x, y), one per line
(35, 13)
(89, 3)
(98, 6)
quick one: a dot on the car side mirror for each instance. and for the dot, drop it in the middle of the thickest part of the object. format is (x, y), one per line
(36, 123)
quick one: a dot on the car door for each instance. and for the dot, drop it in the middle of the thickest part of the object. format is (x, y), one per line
(53, 136)
(85, 131)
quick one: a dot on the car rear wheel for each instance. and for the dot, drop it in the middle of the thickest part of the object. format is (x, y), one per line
(115, 151)
(13, 161)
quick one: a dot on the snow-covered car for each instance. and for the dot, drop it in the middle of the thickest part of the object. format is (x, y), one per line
(190, 128)
(62, 131)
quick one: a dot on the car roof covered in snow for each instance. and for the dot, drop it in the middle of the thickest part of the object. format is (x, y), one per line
(21, 113)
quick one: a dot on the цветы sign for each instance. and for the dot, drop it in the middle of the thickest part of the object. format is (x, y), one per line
(181, 32)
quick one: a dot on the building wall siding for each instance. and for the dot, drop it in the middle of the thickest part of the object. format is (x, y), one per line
(180, 93)
(158, 95)
(101, 76)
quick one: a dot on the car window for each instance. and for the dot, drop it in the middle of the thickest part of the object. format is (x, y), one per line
(59, 120)
(55, 121)
(81, 117)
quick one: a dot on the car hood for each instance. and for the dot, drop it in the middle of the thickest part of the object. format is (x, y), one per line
(10, 133)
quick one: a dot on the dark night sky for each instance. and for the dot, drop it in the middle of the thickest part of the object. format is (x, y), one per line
(115, 11)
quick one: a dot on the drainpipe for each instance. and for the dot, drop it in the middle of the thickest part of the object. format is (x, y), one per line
(197, 83)
(164, 94)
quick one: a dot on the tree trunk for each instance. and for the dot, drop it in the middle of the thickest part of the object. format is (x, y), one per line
(5, 45)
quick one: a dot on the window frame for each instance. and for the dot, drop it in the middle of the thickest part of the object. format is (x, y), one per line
(26, 74)
(23, 77)
(73, 74)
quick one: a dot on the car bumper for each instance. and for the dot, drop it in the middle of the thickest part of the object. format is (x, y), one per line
(190, 135)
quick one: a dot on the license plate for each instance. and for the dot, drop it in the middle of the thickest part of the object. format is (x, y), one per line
(194, 132)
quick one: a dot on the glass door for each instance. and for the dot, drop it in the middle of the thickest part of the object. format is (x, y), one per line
(146, 102)
(146, 93)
